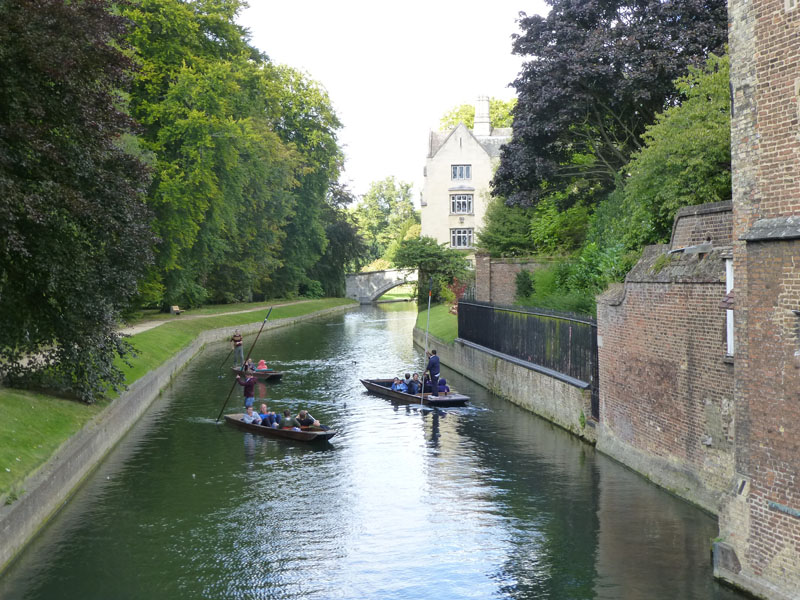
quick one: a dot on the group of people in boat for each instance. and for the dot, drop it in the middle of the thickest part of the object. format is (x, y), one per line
(411, 384)
(268, 418)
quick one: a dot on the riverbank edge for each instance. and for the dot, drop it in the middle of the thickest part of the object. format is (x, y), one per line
(49, 488)
(559, 402)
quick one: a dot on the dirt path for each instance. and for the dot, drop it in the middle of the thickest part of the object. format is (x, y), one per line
(145, 325)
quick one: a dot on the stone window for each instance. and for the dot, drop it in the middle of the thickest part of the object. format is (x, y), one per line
(728, 311)
(461, 238)
(461, 204)
(460, 171)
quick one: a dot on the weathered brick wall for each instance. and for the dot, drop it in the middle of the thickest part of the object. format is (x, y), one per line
(666, 388)
(760, 522)
(496, 278)
(693, 224)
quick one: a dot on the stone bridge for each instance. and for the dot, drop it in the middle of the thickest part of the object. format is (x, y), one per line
(368, 287)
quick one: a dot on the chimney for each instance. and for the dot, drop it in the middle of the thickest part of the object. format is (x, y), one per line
(483, 126)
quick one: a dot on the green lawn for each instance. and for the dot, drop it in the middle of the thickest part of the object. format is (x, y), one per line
(34, 425)
(443, 325)
(212, 309)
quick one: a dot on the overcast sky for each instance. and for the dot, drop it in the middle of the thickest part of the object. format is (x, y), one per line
(392, 69)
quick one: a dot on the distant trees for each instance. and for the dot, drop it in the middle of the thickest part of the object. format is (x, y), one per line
(385, 215)
(74, 232)
(499, 114)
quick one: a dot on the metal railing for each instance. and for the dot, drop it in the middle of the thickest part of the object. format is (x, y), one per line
(566, 344)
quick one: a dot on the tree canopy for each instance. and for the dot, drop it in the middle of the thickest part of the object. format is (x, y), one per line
(686, 158)
(597, 74)
(499, 114)
(74, 232)
(434, 262)
(384, 215)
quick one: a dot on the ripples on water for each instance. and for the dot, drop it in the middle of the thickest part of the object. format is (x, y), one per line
(480, 502)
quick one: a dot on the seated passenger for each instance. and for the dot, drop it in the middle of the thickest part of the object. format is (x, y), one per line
(306, 420)
(415, 385)
(251, 417)
(248, 365)
(443, 387)
(426, 386)
(262, 365)
(268, 418)
(399, 386)
(289, 422)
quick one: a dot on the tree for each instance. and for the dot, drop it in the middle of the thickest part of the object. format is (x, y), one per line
(506, 230)
(598, 73)
(499, 114)
(345, 250)
(384, 215)
(432, 260)
(686, 159)
(74, 233)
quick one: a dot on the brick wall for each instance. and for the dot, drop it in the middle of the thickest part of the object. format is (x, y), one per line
(693, 224)
(760, 521)
(496, 278)
(666, 387)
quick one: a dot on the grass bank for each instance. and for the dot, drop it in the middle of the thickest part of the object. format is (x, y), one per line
(443, 325)
(34, 425)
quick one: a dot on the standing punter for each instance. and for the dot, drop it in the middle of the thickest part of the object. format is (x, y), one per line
(249, 388)
(433, 369)
(238, 355)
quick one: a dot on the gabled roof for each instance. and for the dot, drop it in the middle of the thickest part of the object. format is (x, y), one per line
(491, 144)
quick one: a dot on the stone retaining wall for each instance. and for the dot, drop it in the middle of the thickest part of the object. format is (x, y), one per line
(557, 401)
(50, 487)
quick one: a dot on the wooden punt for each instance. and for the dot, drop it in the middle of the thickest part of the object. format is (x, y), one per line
(268, 374)
(304, 435)
(383, 387)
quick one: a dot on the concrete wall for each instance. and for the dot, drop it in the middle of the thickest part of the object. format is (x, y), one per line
(48, 488)
(555, 400)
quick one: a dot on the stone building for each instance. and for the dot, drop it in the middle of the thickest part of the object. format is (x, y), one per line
(459, 166)
(760, 518)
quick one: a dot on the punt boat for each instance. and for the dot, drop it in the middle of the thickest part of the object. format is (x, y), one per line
(260, 374)
(383, 387)
(307, 434)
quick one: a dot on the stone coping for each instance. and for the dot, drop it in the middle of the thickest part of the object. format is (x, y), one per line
(48, 488)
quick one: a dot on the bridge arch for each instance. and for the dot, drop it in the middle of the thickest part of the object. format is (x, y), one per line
(368, 287)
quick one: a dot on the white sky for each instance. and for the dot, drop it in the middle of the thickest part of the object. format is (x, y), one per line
(393, 69)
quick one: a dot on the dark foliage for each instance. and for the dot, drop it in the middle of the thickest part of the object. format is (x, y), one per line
(598, 73)
(74, 235)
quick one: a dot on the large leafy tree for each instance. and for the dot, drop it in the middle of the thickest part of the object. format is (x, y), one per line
(74, 233)
(686, 159)
(301, 114)
(598, 73)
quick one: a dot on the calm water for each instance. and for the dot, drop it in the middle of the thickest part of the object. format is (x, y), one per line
(482, 502)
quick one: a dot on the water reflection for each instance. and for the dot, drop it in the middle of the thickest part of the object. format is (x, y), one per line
(484, 501)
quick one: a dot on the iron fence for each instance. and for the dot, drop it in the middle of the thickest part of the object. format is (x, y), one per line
(563, 343)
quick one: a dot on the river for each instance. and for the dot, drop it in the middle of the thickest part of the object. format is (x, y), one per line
(486, 501)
